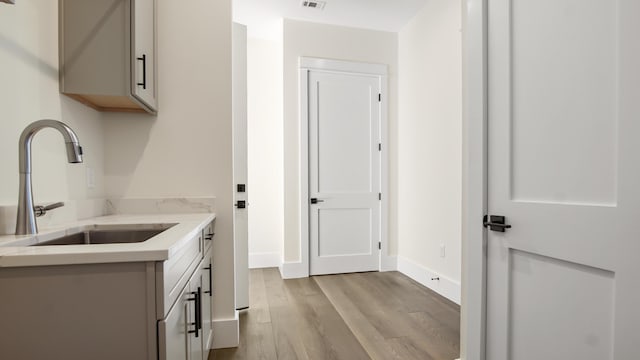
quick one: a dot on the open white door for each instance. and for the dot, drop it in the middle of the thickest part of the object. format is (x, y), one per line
(564, 168)
(240, 215)
(344, 172)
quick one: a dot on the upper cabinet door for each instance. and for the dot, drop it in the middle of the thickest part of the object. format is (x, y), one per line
(143, 51)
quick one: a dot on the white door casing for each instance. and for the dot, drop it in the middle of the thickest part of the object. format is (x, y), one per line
(345, 118)
(563, 168)
(240, 167)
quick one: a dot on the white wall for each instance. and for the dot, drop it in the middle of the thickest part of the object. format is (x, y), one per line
(28, 92)
(266, 186)
(186, 150)
(332, 42)
(429, 158)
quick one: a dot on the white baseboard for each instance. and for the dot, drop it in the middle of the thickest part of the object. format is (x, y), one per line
(294, 270)
(226, 333)
(388, 263)
(445, 286)
(264, 260)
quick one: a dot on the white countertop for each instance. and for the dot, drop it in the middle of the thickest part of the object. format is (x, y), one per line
(15, 250)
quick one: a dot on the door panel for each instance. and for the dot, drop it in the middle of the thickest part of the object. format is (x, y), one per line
(563, 169)
(344, 134)
(577, 332)
(564, 92)
(344, 232)
(344, 172)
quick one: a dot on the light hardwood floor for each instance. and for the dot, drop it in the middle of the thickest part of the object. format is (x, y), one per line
(350, 316)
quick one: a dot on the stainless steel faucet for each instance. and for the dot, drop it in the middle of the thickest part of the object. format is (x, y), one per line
(26, 223)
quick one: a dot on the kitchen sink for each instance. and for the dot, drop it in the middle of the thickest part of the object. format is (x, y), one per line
(109, 234)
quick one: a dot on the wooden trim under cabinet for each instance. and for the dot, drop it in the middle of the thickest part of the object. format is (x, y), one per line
(108, 103)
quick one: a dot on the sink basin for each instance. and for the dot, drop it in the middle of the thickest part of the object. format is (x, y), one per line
(109, 234)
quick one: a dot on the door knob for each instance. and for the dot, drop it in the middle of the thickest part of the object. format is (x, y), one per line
(315, 200)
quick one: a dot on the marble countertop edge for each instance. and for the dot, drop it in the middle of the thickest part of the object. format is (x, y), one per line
(15, 250)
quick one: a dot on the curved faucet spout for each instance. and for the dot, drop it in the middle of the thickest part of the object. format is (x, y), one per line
(74, 150)
(26, 222)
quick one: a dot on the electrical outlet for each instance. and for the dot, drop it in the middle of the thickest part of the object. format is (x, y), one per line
(442, 250)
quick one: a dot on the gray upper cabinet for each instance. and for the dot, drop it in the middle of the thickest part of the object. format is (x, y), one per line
(108, 54)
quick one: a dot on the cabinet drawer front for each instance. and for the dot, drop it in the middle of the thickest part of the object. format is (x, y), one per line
(174, 274)
(208, 234)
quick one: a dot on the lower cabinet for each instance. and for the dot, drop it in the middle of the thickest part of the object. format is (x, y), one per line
(147, 310)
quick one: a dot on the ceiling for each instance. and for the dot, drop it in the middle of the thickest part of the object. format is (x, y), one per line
(263, 17)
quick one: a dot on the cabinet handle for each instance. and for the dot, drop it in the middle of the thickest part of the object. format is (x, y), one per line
(196, 299)
(144, 71)
(209, 236)
(199, 309)
(210, 292)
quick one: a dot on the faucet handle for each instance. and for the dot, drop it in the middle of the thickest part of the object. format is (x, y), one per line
(41, 210)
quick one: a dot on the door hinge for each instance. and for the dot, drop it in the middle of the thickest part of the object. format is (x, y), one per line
(379, 196)
(379, 97)
(379, 146)
(379, 245)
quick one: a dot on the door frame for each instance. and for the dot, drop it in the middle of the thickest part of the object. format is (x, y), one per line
(474, 188)
(305, 65)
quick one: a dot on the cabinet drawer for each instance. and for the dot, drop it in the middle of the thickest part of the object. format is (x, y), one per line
(208, 234)
(173, 274)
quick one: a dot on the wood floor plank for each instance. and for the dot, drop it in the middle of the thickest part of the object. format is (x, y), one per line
(370, 338)
(381, 309)
(448, 337)
(395, 321)
(260, 343)
(384, 316)
(258, 297)
(406, 348)
(288, 341)
(324, 332)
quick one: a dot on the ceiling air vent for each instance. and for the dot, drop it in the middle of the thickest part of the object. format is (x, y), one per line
(314, 4)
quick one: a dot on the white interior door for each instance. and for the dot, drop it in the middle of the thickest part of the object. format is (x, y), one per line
(240, 172)
(564, 168)
(344, 172)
